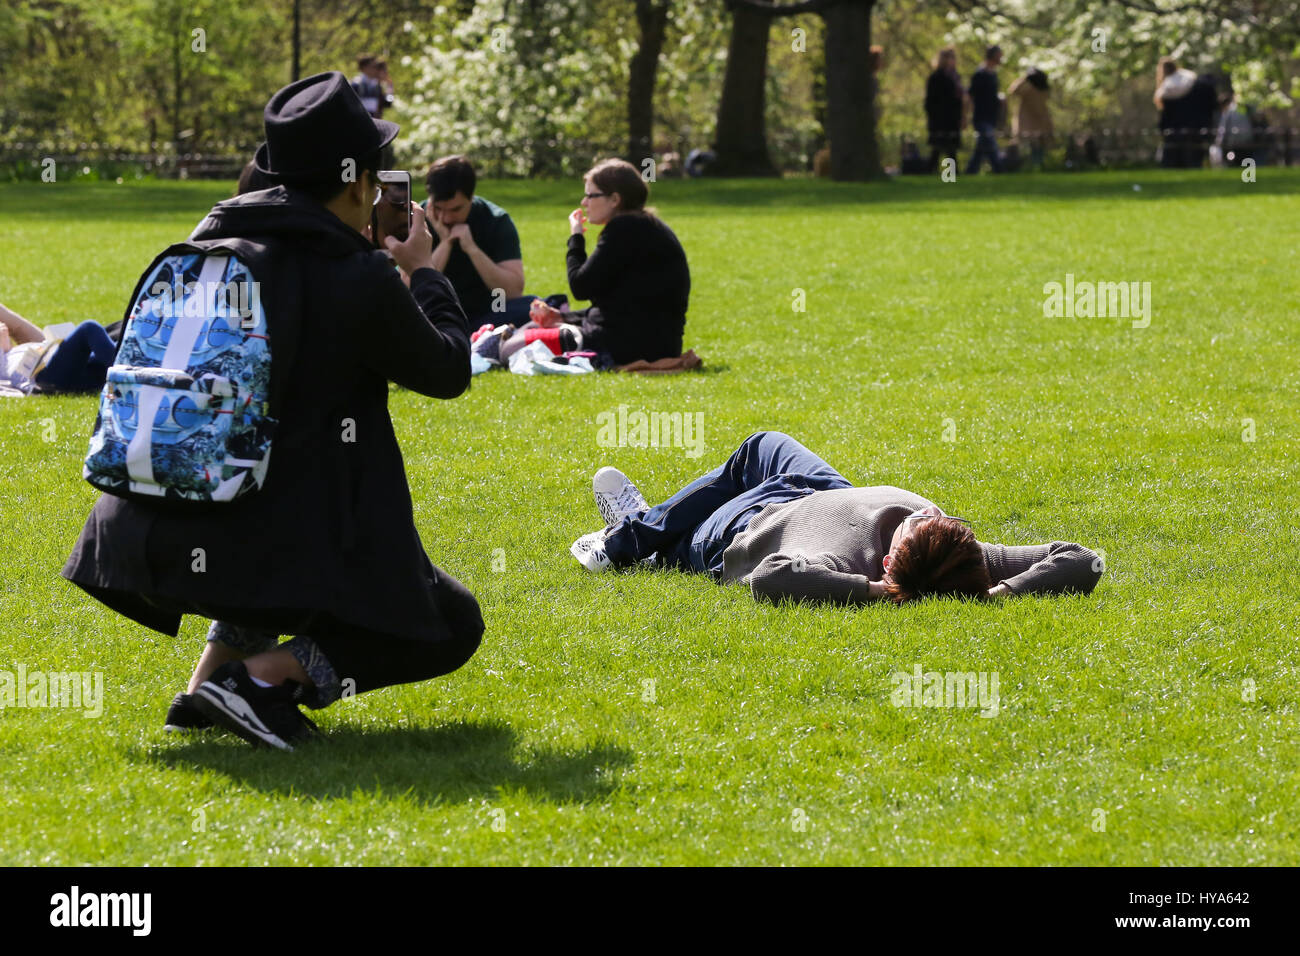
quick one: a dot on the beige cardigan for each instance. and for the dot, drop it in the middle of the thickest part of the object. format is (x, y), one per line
(1033, 120)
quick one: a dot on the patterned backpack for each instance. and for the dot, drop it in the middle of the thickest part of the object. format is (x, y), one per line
(184, 411)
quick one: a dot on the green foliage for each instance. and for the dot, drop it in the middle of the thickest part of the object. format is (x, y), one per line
(541, 88)
(1093, 48)
(546, 93)
(523, 87)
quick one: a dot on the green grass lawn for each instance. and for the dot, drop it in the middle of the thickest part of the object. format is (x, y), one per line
(656, 717)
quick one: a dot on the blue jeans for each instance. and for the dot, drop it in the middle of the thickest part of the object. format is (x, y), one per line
(986, 144)
(80, 363)
(515, 313)
(693, 528)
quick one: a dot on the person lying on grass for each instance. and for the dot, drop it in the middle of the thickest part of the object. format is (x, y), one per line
(637, 279)
(779, 518)
(30, 360)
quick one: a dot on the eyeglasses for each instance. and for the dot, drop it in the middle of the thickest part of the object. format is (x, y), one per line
(594, 195)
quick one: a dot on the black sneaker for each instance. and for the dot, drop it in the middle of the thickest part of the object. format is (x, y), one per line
(183, 716)
(261, 715)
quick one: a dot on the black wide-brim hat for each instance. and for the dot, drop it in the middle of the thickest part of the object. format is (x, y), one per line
(313, 125)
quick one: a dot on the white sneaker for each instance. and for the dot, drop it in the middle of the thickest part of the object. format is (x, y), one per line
(590, 551)
(616, 496)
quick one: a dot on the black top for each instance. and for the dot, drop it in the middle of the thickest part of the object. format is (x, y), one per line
(328, 546)
(1193, 111)
(494, 232)
(984, 96)
(943, 101)
(638, 284)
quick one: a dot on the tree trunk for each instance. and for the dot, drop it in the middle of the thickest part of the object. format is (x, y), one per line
(851, 91)
(177, 90)
(297, 41)
(652, 18)
(742, 128)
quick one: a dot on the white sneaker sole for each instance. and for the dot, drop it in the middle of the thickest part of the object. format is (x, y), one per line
(608, 485)
(587, 557)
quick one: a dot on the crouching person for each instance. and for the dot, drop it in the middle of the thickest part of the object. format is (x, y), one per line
(318, 540)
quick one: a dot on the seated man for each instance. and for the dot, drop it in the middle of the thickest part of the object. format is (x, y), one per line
(476, 246)
(779, 518)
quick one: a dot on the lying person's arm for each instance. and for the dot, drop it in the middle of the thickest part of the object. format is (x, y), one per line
(20, 330)
(421, 335)
(591, 276)
(813, 577)
(1057, 568)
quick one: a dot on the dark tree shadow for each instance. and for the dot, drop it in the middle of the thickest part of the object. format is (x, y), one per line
(448, 763)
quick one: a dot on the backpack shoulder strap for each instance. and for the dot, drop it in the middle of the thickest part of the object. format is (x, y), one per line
(279, 277)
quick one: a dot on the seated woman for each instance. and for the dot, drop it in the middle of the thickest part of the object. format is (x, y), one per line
(778, 518)
(636, 278)
(29, 360)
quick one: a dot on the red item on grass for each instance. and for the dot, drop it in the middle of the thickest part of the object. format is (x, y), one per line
(550, 336)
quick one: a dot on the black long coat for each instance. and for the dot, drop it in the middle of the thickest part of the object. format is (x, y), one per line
(328, 546)
(943, 102)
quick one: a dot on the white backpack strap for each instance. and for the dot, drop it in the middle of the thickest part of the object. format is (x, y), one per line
(185, 332)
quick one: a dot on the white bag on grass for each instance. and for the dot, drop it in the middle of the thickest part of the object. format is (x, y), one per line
(537, 359)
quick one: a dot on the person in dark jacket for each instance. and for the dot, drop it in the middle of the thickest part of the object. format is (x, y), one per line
(944, 100)
(636, 278)
(327, 550)
(986, 109)
(1187, 104)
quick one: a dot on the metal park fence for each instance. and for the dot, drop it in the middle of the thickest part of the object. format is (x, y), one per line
(1097, 148)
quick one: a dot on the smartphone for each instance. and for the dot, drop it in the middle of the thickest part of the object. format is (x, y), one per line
(391, 215)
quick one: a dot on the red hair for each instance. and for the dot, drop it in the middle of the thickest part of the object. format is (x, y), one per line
(940, 557)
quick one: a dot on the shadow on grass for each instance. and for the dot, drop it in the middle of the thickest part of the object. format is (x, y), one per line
(448, 763)
(138, 201)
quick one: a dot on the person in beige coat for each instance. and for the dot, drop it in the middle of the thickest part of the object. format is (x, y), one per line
(1032, 123)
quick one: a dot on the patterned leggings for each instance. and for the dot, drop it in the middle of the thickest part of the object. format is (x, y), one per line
(250, 640)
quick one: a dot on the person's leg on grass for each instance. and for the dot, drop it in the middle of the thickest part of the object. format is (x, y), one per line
(516, 311)
(977, 153)
(985, 145)
(667, 528)
(225, 643)
(559, 339)
(20, 330)
(81, 361)
(258, 698)
(513, 312)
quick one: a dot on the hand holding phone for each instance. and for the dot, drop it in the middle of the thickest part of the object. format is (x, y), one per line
(416, 252)
(391, 215)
